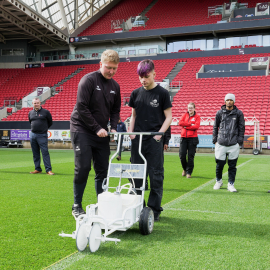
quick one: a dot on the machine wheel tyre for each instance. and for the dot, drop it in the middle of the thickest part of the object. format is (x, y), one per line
(256, 151)
(146, 222)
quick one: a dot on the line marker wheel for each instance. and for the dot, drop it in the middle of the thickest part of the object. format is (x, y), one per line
(95, 237)
(82, 236)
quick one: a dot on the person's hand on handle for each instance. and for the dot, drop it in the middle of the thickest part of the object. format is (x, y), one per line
(102, 133)
(157, 137)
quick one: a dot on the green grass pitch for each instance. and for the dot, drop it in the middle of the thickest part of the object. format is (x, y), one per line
(200, 228)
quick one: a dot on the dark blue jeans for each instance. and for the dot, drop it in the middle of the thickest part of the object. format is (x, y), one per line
(121, 143)
(40, 142)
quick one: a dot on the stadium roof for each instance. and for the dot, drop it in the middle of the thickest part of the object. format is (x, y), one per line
(51, 10)
(21, 19)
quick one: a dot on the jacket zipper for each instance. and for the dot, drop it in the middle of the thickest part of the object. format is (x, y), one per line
(188, 121)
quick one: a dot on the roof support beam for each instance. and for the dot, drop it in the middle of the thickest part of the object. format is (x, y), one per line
(2, 39)
(76, 14)
(63, 15)
(39, 6)
(49, 6)
(34, 23)
(25, 27)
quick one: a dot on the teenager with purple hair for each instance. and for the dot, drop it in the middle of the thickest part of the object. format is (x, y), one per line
(151, 112)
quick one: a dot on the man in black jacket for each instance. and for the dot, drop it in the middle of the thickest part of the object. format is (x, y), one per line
(228, 136)
(98, 101)
(40, 120)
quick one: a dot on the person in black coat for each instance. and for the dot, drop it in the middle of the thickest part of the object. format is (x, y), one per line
(228, 136)
(40, 120)
(98, 101)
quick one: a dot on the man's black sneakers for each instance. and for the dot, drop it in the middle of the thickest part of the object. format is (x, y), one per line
(156, 216)
(77, 210)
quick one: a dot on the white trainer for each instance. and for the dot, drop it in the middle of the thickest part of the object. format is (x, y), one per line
(231, 188)
(218, 184)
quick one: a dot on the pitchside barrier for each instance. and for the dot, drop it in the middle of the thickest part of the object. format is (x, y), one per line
(256, 141)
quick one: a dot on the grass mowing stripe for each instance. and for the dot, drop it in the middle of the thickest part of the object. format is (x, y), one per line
(74, 257)
(31, 163)
(50, 199)
(182, 197)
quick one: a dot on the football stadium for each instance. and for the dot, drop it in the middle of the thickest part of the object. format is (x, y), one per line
(202, 52)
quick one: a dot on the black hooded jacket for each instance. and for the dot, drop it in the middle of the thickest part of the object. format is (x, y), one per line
(229, 127)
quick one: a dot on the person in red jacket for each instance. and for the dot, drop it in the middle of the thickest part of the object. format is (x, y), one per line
(190, 123)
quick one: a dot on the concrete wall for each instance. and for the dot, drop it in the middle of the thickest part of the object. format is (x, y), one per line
(182, 55)
(232, 74)
(121, 44)
(16, 44)
(12, 65)
(226, 67)
(181, 31)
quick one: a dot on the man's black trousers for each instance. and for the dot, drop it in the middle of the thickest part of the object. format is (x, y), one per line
(87, 147)
(153, 153)
(187, 152)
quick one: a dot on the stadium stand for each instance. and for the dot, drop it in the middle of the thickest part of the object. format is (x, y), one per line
(178, 14)
(8, 74)
(68, 95)
(131, 81)
(161, 15)
(252, 93)
(26, 80)
(122, 11)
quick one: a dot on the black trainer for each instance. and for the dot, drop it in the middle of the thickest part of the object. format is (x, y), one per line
(77, 210)
(156, 216)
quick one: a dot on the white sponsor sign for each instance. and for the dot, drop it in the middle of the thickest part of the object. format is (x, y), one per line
(59, 135)
(262, 9)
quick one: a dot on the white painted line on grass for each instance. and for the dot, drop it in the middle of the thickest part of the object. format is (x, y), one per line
(67, 261)
(186, 195)
(201, 211)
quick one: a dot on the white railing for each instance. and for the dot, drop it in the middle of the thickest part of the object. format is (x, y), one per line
(176, 85)
(214, 10)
